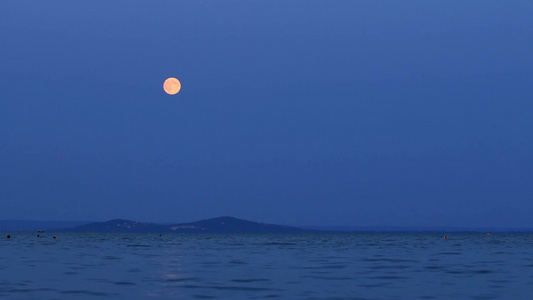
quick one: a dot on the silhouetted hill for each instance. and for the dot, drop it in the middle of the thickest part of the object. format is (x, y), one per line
(216, 225)
(117, 225)
(221, 225)
(234, 225)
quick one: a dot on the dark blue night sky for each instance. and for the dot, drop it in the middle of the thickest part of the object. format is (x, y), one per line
(365, 113)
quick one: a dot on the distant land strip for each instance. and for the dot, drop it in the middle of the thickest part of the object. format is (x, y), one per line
(215, 225)
(221, 225)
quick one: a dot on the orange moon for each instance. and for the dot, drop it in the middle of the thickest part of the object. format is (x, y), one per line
(172, 86)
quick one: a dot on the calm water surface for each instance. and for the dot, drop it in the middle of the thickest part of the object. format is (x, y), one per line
(314, 266)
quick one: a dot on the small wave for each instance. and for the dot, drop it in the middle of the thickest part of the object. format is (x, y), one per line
(232, 288)
(388, 260)
(250, 280)
(86, 292)
(466, 272)
(238, 262)
(321, 267)
(388, 277)
(182, 279)
(328, 277)
(124, 283)
(278, 244)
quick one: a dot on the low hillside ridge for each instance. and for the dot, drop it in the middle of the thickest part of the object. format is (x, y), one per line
(215, 225)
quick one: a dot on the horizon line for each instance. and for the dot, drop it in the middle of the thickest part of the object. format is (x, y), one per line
(340, 228)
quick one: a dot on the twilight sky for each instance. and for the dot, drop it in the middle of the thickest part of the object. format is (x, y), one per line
(365, 113)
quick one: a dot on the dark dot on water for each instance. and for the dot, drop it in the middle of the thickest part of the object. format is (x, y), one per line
(54, 237)
(38, 235)
(8, 236)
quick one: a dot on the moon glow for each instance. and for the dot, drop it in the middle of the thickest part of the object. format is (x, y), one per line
(172, 86)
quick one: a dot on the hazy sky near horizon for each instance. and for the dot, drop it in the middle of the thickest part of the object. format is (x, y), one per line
(369, 113)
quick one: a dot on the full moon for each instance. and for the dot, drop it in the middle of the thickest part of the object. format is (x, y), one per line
(172, 86)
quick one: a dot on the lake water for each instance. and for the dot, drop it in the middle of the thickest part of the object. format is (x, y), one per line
(312, 266)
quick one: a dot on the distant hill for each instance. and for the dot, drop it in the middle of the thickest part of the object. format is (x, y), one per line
(117, 225)
(221, 225)
(234, 225)
(216, 225)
